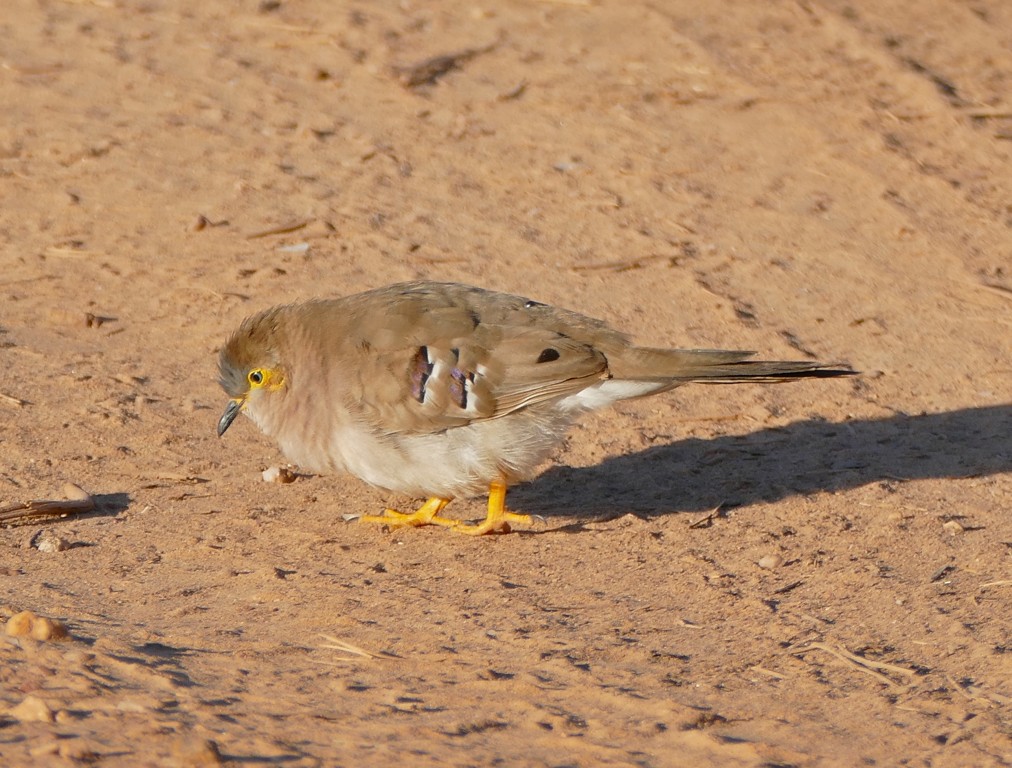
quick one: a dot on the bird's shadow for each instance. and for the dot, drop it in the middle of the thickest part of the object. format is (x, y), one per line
(801, 458)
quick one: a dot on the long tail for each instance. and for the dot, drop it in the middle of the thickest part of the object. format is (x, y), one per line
(714, 366)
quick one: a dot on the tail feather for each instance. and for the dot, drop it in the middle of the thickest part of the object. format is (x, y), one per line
(714, 366)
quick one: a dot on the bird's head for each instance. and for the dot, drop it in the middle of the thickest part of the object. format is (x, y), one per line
(250, 368)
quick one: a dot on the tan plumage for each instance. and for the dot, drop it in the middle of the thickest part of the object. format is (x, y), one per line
(446, 390)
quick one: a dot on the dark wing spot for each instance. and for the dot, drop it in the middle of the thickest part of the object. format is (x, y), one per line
(549, 355)
(420, 371)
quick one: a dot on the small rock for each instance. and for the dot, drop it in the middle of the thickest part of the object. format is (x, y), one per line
(47, 541)
(47, 629)
(20, 624)
(78, 657)
(197, 752)
(45, 749)
(32, 710)
(78, 750)
(279, 475)
(770, 562)
(75, 492)
(953, 528)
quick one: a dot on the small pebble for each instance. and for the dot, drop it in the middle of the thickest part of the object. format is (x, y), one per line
(20, 624)
(47, 541)
(45, 749)
(32, 710)
(47, 629)
(279, 475)
(75, 492)
(192, 751)
(769, 562)
(953, 528)
(78, 657)
(130, 705)
(77, 750)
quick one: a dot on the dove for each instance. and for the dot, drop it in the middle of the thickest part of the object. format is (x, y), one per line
(443, 390)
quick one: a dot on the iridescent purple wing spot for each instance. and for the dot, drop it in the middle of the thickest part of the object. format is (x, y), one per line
(420, 369)
(458, 387)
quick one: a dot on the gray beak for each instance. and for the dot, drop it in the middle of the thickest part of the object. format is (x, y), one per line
(231, 411)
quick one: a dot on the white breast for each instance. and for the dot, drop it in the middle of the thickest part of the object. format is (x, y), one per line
(460, 461)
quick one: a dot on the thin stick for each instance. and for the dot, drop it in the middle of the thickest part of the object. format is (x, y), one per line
(11, 400)
(73, 253)
(286, 27)
(770, 672)
(341, 645)
(1004, 583)
(988, 114)
(625, 265)
(706, 522)
(997, 288)
(858, 662)
(284, 229)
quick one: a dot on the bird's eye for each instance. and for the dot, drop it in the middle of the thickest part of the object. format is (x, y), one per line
(256, 378)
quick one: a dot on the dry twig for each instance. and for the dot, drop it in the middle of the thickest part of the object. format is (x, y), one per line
(11, 400)
(37, 510)
(340, 645)
(706, 522)
(284, 229)
(428, 71)
(861, 664)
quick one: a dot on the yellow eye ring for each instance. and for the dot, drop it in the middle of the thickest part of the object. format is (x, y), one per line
(256, 377)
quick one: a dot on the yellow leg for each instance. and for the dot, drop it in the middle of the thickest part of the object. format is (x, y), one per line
(497, 519)
(427, 514)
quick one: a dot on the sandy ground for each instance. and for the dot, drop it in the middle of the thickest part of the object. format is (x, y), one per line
(813, 574)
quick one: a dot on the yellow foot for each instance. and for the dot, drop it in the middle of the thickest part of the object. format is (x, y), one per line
(497, 519)
(427, 514)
